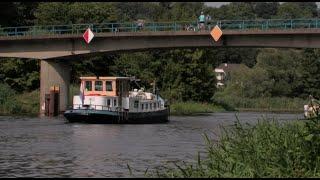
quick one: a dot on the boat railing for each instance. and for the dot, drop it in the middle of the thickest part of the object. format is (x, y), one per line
(95, 107)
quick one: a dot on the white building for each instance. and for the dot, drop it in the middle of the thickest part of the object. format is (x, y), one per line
(223, 72)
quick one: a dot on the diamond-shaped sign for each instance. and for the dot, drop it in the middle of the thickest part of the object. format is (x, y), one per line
(88, 35)
(216, 33)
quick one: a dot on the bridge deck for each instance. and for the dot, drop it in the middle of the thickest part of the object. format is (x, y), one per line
(131, 27)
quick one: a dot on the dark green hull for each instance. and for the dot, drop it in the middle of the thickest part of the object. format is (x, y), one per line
(112, 117)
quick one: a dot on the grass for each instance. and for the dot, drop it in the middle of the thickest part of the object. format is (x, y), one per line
(266, 149)
(29, 102)
(274, 104)
(21, 104)
(194, 108)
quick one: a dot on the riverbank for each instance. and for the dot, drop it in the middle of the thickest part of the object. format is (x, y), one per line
(266, 149)
(263, 104)
(194, 108)
(27, 103)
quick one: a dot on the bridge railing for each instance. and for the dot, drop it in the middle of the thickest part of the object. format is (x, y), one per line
(76, 29)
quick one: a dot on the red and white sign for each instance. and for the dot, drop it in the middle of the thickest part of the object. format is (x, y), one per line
(88, 35)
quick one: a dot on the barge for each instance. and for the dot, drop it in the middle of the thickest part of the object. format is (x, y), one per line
(109, 100)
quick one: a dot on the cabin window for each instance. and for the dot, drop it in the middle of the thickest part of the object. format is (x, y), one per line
(108, 102)
(154, 105)
(142, 106)
(98, 86)
(108, 85)
(146, 106)
(150, 105)
(136, 104)
(114, 102)
(88, 85)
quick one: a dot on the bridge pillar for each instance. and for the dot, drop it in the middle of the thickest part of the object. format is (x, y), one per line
(54, 73)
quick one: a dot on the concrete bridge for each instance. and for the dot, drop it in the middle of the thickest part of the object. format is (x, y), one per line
(55, 47)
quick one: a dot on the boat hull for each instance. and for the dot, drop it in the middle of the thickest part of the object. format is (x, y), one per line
(112, 117)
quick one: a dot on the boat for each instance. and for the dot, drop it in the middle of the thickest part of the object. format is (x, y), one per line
(312, 109)
(110, 100)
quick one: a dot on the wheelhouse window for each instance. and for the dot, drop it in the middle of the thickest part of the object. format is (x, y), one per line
(88, 85)
(108, 85)
(136, 104)
(98, 86)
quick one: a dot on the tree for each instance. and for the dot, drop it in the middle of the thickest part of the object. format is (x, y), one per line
(266, 10)
(310, 72)
(292, 11)
(237, 11)
(187, 76)
(8, 12)
(309, 6)
(52, 13)
(20, 75)
(282, 67)
(92, 12)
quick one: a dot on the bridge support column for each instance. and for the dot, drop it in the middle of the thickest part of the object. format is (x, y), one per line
(54, 73)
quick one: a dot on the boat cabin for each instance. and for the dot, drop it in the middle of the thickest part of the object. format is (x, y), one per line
(105, 86)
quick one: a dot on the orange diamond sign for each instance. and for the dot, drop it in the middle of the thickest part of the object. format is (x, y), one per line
(216, 33)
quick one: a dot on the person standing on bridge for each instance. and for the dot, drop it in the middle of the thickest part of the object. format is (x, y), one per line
(201, 21)
(208, 20)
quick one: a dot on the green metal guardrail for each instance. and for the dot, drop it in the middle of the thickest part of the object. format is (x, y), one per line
(75, 29)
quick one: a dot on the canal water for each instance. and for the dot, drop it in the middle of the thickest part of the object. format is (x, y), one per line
(50, 147)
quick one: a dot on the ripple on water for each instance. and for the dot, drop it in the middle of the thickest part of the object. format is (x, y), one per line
(50, 147)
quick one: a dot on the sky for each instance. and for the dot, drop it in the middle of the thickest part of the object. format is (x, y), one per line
(216, 4)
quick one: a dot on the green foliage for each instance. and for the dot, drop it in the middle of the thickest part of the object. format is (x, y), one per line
(267, 149)
(28, 103)
(276, 104)
(92, 12)
(74, 13)
(289, 10)
(130, 11)
(193, 77)
(20, 75)
(236, 11)
(277, 73)
(266, 10)
(8, 102)
(193, 108)
(186, 11)
(310, 72)
(283, 70)
(52, 13)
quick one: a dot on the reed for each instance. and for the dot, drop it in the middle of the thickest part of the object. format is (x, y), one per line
(12, 103)
(193, 108)
(266, 149)
(263, 103)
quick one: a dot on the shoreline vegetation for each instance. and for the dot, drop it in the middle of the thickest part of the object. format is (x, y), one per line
(27, 103)
(268, 148)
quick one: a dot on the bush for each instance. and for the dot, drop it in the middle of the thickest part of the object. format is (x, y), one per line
(267, 149)
(190, 108)
(8, 103)
(262, 103)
